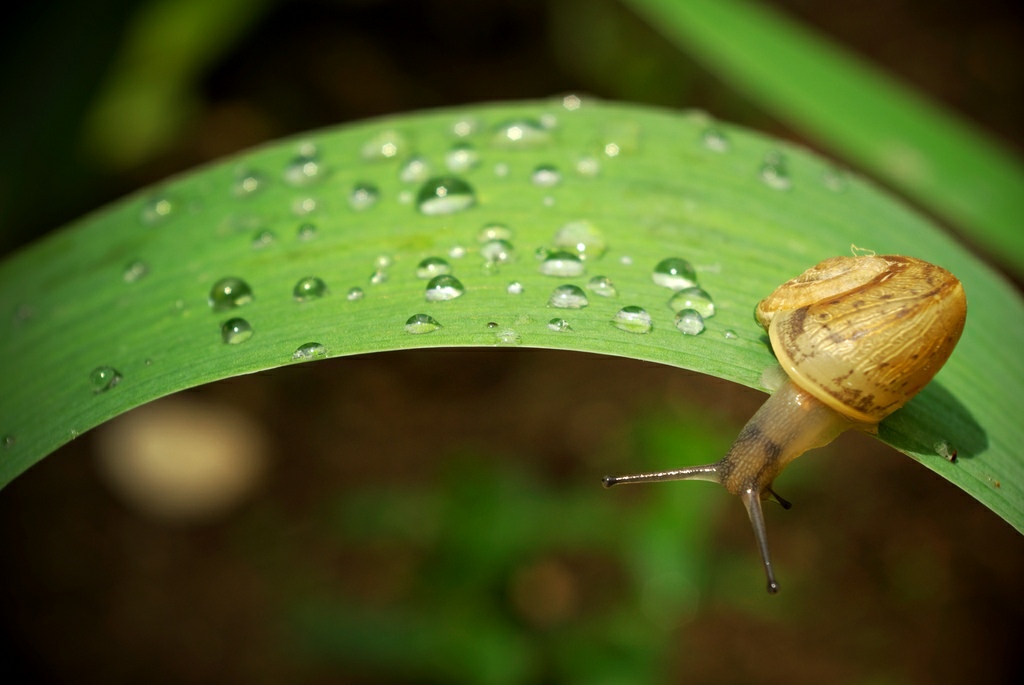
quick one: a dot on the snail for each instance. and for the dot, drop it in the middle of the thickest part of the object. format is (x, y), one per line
(857, 337)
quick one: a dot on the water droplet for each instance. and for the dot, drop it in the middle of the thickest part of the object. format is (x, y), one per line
(263, 239)
(304, 206)
(363, 196)
(508, 337)
(464, 127)
(310, 350)
(690, 322)
(559, 325)
(583, 238)
(234, 331)
(445, 195)
(497, 252)
(588, 166)
(444, 287)
(457, 251)
(384, 145)
(633, 320)
(834, 179)
(730, 334)
(621, 137)
(228, 293)
(421, 323)
(571, 102)
(674, 273)
(521, 133)
(306, 232)
(714, 140)
(103, 378)
(415, 170)
(546, 176)
(626, 260)
(774, 172)
(603, 286)
(157, 209)
(494, 232)
(355, 293)
(945, 450)
(379, 276)
(248, 182)
(501, 170)
(135, 271)
(462, 157)
(562, 264)
(382, 261)
(304, 168)
(568, 297)
(309, 288)
(8, 441)
(514, 288)
(693, 298)
(431, 267)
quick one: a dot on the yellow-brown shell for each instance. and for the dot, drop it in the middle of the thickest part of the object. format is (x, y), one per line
(865, 334)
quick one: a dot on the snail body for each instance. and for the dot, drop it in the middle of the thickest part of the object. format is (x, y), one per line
(858, 337)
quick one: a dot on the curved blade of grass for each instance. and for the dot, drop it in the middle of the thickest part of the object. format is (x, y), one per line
(128, 287)
(879, 124)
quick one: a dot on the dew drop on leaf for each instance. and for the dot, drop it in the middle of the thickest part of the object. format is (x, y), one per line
(310, 350)
(306, 232)
(461, 158)
(103, 378)
(514, 288)
(674, 273)
(497, 251)
(603, 286)
(228, 293)
(521, 133)
(494, 232)
(384, 145)
(714, 140)
(417, 324)
(354, 293)
(546, 176)
(309, 288)
(263, 239)
(304, 168)
(444, 287)
(689, 322)
(415, 170)
(432, 266)
(568, 297)
(581, 237)
(774, 172)
(157, 209)
(694, 298)
(445, 195)
(562, 264)
(248, 182)
(363, 196)
(235, 331)
(633, 319)
(135, 271)
(559, 325)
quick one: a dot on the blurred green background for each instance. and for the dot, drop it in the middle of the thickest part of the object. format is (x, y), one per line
(436, 516)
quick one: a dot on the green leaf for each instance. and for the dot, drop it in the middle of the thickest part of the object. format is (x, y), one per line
(936, 159)
(128, 287)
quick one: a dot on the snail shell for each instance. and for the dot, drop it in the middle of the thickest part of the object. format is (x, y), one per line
(865, 334)
(858, 337)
